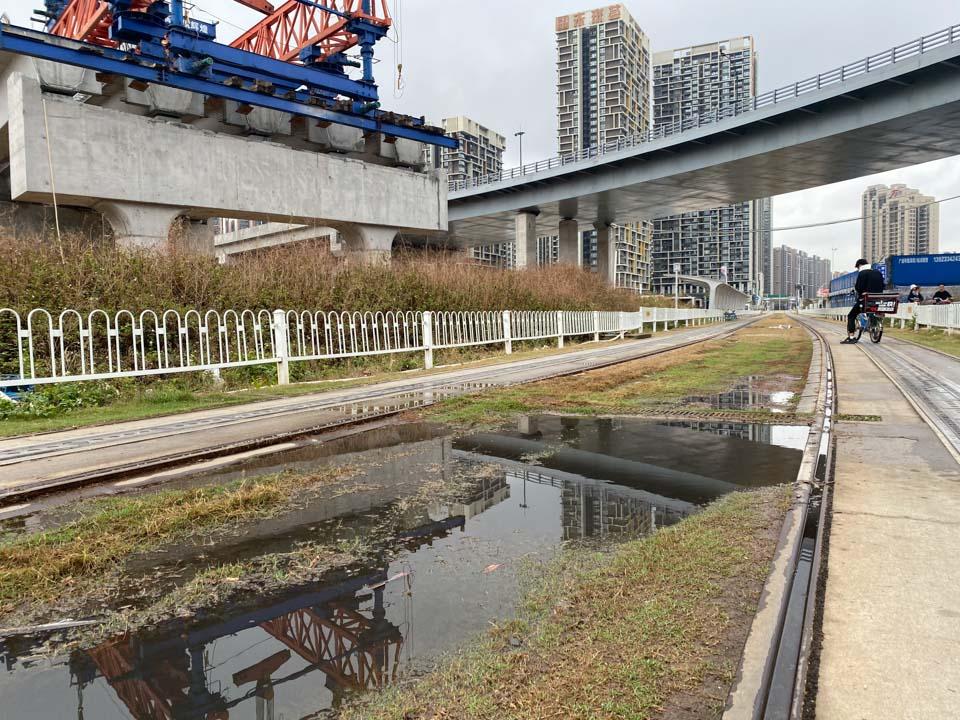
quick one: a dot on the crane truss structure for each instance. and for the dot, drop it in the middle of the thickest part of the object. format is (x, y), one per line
(89, 20)
(296, 26)
(301, 71)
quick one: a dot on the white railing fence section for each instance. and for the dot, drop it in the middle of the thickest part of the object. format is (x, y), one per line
(43, 348)
(938, 316)
(946, 317)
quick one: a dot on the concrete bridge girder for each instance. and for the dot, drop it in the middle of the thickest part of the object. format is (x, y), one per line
(134, 156)
(898, 115)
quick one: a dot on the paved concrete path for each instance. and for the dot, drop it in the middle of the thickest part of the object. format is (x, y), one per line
(891, 622)
(57, 459)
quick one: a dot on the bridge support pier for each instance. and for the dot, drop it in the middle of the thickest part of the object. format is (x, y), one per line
(138, 225)
(571, 245)
(525, 245)
(367, 244)
(606, 254)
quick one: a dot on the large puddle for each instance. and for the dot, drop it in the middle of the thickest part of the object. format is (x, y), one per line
(445, 562)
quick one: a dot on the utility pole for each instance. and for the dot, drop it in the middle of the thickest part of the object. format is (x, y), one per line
(520, 135)
(676, 286)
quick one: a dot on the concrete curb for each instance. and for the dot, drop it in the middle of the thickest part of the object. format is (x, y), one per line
(747, 697)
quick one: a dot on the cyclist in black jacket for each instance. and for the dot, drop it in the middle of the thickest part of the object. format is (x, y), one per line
(868, 281)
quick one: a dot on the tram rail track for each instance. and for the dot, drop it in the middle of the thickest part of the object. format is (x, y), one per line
(788, 690)
(377, 404)
(934, 396)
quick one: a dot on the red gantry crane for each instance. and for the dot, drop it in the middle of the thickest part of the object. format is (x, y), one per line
(293, 60)
(283, 34)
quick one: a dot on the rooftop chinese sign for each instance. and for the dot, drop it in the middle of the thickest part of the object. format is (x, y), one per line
(589, 17)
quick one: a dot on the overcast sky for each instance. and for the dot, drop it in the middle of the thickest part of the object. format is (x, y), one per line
(494, 61)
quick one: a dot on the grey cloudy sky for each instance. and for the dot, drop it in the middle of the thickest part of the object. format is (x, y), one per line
(493, 60)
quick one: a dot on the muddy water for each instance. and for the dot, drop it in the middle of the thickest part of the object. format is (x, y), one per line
(445, 563)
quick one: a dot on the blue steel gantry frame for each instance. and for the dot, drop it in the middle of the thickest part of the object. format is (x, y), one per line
(159, 45)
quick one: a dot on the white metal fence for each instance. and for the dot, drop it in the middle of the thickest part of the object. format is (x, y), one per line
(43, 348)
(946, 317)
(839, 75)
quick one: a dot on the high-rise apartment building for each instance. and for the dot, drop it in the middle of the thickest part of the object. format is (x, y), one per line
(794, 271)
(898, 220)
(731, 242)
(479, 153)
(603, 95)
(603, 78)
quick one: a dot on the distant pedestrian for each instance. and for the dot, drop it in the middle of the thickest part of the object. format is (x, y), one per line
(915, 295)
(942, 296)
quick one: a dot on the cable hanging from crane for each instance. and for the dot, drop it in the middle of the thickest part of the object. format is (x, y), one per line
(399, 82)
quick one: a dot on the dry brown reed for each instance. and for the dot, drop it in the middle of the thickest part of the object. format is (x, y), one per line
(98, 275)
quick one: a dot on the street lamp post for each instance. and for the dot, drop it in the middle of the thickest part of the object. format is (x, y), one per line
(520, 135)
(676, 286)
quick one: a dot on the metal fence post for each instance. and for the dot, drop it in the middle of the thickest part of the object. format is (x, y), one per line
(507, 333)
(428, 340)
(621, 325)
(559, 328)
(596, 326)
(281, 346)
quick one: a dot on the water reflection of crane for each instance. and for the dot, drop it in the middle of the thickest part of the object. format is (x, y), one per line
(341, 631)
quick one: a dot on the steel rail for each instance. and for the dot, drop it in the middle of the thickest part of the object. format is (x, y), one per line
(471, 383)
(916, 383)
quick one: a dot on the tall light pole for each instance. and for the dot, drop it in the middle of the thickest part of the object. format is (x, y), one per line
(676, 286)
(520, 135)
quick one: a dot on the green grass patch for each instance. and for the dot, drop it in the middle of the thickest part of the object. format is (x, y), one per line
(936, 339)
(42, 566)
(844, 417)
(609, 635)
(645, 385)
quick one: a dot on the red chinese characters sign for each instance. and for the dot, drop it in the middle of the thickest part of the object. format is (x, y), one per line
(597, 17)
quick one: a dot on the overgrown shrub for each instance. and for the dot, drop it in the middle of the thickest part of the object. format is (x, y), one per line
(96, 275)
(305, 277)
(50, 400)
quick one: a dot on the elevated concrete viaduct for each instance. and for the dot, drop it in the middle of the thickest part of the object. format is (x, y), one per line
(271, 235)
(901, 110)
(718, 295)
(144, 157)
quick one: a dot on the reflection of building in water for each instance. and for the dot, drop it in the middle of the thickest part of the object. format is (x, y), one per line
(754, 432)
(742, 397)
(481, 493)
(597, 509)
